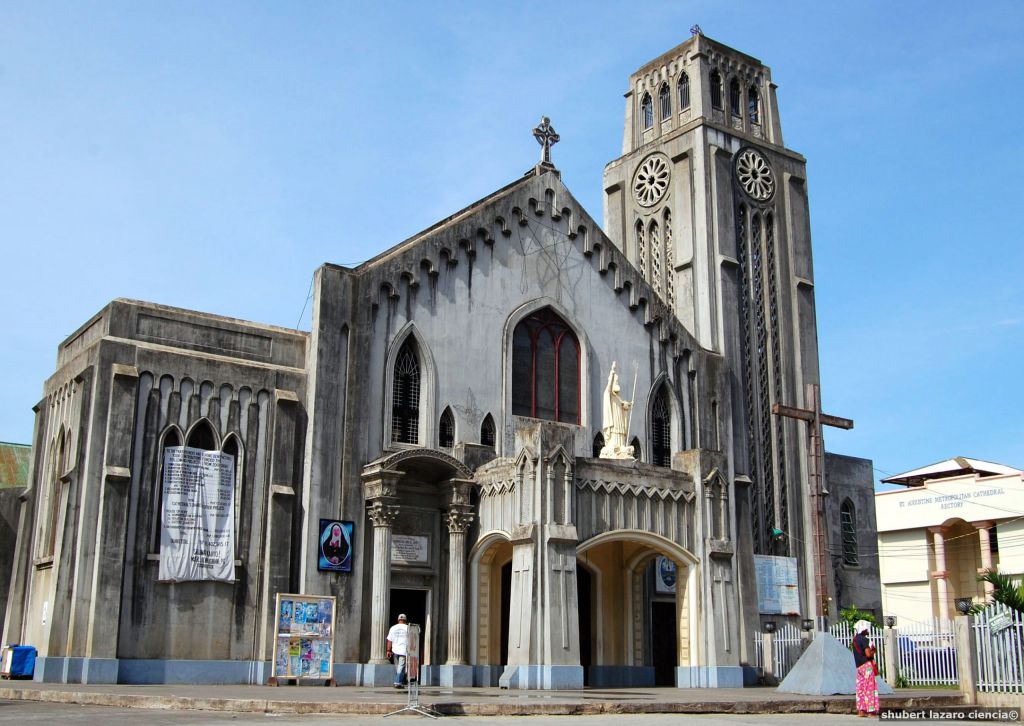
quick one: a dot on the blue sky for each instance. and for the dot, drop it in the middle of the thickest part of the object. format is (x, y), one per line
(212, 155)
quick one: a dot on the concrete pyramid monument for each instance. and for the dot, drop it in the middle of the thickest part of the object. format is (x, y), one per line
(826, 668)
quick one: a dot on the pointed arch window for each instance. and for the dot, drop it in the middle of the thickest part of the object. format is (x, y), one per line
(405, 395)
(670, 293)
(171, 438)
(665, 101)
(487, 433)
(233, 448)
(754, 105)
(655, 239)
(641, 248)
(734, 97)
(546, 369)
(598, 444)
(446, 430)
(715, 81)
(637, 449)
(848, 526)
(683, 91)
(647, 111)
(661, 428)
(54, 496)
(202, 437)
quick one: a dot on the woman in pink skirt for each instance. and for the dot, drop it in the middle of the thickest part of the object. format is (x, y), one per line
(864, 658)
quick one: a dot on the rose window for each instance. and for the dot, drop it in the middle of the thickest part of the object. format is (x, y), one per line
(651, 181)
(755, 175)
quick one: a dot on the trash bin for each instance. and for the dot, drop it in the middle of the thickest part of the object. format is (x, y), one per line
(19, 661)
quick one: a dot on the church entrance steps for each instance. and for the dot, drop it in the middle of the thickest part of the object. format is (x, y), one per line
(470, 701)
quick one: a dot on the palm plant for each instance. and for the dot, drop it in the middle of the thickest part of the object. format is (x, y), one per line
(1005, 590)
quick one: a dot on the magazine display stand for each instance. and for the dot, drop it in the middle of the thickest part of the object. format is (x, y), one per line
(412, 671)
(303, 639)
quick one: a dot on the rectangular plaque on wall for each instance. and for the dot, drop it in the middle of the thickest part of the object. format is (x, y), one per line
(410, 549)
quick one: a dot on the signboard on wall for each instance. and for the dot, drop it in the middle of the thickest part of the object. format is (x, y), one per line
(410, 550)
(197, 515)
(778, 589)
(664, 575)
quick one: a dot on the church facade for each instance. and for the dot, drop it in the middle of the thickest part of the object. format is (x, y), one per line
(448, 403)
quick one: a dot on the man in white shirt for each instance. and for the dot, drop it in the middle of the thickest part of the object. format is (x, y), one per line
(398, 637)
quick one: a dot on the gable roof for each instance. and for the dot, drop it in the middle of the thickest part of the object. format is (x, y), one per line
(538, 197)
(957, 466)
(14, 463)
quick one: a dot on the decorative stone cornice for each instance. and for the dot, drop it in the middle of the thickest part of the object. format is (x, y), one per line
(639, 490)
(392, 462)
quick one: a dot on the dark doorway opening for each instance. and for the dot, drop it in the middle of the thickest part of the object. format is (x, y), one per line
(506, 608)
(663, 642)
(585, 595)
(412, 604)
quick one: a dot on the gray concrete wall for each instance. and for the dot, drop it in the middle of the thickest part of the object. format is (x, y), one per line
(132, 379)
(849, 477)
(459, 289)
(10, 508)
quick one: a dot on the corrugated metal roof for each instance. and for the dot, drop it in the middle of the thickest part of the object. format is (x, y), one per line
(14, 463)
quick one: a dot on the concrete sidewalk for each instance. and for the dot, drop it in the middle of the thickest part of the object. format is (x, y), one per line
(459, 701)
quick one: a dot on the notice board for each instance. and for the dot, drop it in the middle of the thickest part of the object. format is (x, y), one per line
(778, 589)
(304, 638)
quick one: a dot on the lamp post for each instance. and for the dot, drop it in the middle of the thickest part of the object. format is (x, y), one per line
(890, 621)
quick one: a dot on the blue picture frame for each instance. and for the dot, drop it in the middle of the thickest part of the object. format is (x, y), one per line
(335, 544)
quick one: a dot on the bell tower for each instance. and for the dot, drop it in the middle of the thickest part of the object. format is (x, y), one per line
(711, 207)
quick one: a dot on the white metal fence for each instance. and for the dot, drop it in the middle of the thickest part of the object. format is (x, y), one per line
(926, 653)
(999, 643)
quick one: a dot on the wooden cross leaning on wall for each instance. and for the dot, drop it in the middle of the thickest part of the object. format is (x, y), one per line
(816, 474)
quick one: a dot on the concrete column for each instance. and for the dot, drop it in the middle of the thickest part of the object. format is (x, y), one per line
(966, 661)
(768, 658)
(891, 659)
(382, 515)
(940, 573)
(985, 544)
(458, 523)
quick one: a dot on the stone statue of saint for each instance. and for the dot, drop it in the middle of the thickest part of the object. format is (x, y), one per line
(616, 420)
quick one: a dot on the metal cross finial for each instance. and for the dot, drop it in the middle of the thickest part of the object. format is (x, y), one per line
(695, 30)
(546, 137)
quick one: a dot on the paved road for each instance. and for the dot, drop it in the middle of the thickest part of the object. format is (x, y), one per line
(37, 714)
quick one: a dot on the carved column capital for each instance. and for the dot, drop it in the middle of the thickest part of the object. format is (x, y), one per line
(459, 519)
(988, 524)
(382, 513)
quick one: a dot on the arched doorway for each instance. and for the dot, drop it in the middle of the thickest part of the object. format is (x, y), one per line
(418, 504)
(490, 582)
(638, 633)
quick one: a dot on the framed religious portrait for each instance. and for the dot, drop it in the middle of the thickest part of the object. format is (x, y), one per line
(335, 546)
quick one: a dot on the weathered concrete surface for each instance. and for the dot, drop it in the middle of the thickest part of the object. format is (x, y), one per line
(477, 701)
